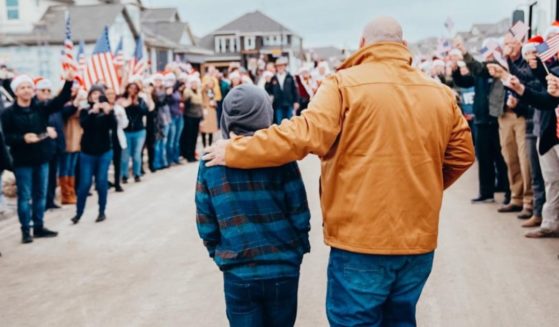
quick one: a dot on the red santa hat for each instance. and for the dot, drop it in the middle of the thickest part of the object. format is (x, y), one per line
(531, 45)
(552, 30)
(20, 80)
(42, 83)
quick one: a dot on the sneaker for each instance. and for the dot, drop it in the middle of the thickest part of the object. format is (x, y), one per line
(525, 214)
(125, 180)
(510, 208)
(137, 179)
(483, 199)
(101, 218)
(53, 206)
(42, 232)
(542, 233)
(119, 189)
(532, 222)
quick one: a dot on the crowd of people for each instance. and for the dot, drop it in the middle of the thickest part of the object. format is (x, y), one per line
(507, 95)
(70, 140)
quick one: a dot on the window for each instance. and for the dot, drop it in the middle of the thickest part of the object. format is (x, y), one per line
(12, 9)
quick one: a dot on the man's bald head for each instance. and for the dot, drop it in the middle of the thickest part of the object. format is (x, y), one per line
(382, 29)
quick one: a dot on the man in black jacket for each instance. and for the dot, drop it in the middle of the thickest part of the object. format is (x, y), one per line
(488, 93)
(283, 88)
(25, 126)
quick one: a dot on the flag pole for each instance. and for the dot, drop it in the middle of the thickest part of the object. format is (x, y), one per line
(544, 66)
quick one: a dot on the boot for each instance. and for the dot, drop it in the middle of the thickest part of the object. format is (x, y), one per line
(533, 222)
(26, 236)
(64, 190)
(101, 218)
(73, 199)
(41, 232)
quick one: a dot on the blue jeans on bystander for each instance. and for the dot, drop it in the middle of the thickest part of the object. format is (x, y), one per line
(98, 167)
(173, 143)
(281, 113)
(256, 303)
(32, 183)
(160, 160)
(135, 142)
(67, 164)
(375, 290)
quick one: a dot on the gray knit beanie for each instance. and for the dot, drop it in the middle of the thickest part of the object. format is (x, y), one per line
(246, 109)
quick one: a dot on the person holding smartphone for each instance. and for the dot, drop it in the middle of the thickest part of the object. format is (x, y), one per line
(97, 120)
(25, 126)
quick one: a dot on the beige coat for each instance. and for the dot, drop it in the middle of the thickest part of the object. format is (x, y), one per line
(73, 132)
(209, 123)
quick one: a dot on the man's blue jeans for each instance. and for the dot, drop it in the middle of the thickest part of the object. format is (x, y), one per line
(160, 148)
(135, 143)
(256, 303)
(173, 143)
(281, 113)
(375, 290)
(32, 183)
(98, 167)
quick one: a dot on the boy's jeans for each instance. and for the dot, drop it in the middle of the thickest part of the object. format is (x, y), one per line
(270, 302)
(375, 290)
(32, 183)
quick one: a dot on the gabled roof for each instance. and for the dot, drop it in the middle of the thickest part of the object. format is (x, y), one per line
(172, 31)
(160, 15)
(251, 22)
(87, 24)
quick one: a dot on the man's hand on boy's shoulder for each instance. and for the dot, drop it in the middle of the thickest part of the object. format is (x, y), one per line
(215, 154)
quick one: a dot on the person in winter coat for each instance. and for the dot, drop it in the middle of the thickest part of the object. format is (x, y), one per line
(120, 144)
(163, 97)
(73, 134)
(391, 141)
(136, 110)
(208, 127)
(193, 114)
(98, 121)
(283, 88)
(25, 126)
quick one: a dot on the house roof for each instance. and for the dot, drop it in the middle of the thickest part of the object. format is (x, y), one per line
(170, 30)
(160, 15)
(252, 22)
(87, 24)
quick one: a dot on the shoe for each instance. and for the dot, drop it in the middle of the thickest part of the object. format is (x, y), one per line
(542, 233)
(76, 220)
(483, 199)
(119, 189)
(526, 214)
(42, 232)
(125, 181)
(111, 184)
(510, 208)
(53, 206)
(26, 236)
(101, 218)
(532, 222)
(137, 179)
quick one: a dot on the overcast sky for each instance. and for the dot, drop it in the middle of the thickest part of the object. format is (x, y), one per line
(339, 22)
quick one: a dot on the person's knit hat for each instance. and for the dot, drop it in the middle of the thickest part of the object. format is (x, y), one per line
(531, 45)
(19, 80)
(96, 88)
(246, 109)
(169, 79)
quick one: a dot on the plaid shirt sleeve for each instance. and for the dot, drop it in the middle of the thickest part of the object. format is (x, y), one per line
(206, 220)
(296, 203)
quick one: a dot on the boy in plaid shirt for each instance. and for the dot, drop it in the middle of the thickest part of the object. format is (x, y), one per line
(254, 223)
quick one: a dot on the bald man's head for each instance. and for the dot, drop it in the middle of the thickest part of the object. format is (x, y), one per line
(382, 29)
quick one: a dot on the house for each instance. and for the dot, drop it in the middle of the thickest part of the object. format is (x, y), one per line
(168, 38)
(251, 36)
(32, 42)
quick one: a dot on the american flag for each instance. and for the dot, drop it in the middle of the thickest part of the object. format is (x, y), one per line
(549, 48)
(100, 66)
(443, 47)
(82, 64)
(119, 55)
(449, 24)
(68, 61)
(139, 63)
(519, 30)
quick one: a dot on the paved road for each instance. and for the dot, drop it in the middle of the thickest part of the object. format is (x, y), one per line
(145, 265)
